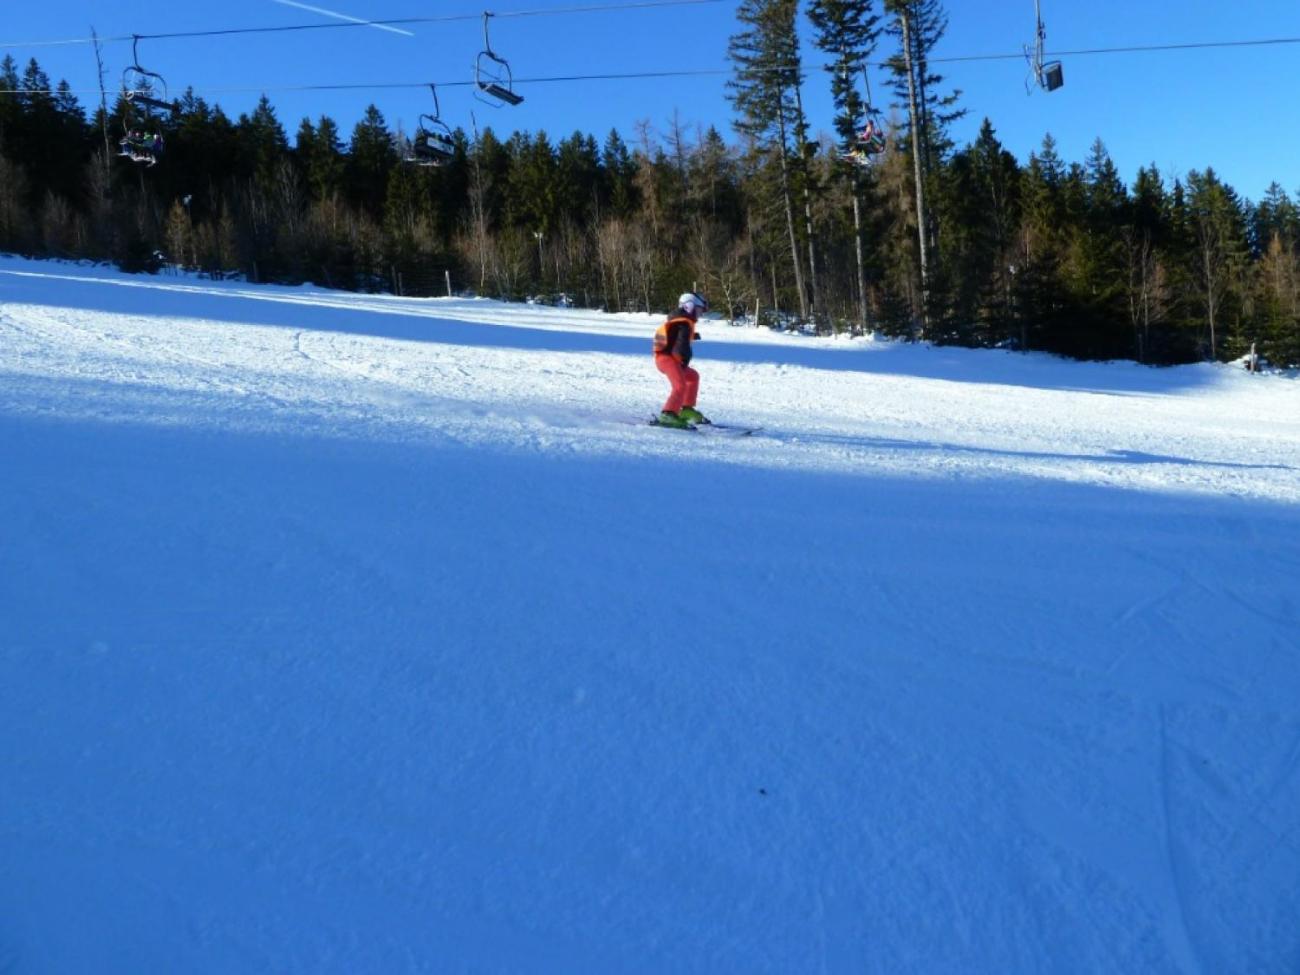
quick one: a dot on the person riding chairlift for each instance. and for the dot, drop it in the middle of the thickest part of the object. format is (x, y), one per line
(143, 146)
(871, 140)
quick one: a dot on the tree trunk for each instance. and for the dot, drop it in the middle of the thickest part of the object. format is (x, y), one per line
(864, 314)
(103, 114)
(918, 174)
(789, 221)
(800, 148)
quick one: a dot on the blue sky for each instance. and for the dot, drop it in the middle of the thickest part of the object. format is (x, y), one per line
(1230, 108)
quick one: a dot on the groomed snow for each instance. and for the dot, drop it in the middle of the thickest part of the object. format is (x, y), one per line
(348, 633)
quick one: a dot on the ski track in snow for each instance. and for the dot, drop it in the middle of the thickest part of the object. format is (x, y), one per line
(358, 633)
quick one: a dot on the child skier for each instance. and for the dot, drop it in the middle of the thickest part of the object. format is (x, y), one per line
(673, 359)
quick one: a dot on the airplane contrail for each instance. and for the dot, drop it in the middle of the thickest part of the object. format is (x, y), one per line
(331, 13)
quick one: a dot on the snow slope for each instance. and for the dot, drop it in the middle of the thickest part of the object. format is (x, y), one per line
(346, 633)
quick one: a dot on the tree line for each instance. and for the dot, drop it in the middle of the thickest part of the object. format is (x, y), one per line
(964, 245)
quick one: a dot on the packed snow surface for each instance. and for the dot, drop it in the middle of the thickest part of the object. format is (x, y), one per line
(352, 633)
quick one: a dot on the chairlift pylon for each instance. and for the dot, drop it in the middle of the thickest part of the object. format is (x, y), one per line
(1046, 75)
(433, 144)
(492, 75)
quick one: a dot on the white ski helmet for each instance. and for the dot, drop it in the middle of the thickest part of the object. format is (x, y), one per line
(693, 302)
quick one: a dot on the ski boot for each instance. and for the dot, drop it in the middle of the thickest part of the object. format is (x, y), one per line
(692, 415)
(675, 420)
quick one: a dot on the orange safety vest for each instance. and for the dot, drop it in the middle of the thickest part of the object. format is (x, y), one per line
(664, 334)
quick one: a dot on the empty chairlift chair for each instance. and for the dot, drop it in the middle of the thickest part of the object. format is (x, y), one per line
(492, 75)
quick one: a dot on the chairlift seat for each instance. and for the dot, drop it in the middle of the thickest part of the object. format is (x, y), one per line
(492, 74)
(139, 85)
(135, 98)
(500, 93)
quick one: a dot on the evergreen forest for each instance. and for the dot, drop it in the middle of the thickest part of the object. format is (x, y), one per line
(779, 224)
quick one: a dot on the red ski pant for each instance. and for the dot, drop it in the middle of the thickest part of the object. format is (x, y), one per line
(685, 380)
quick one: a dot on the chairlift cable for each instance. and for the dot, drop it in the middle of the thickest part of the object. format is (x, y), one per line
(396, 21)
(705, 72)
(393, 85)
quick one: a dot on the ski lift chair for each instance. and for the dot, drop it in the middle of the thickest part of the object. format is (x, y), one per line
(140, 87)
(142, 139)
(433, 144)
(1048, 75)
(871, 140)
(492, 75)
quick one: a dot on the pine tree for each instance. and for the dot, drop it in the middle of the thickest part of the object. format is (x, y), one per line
(984, 184)
(848, 30)
(371, 159)
(618, 172)
(927, 23)
(577, 178)
(919, 25)
(1039, 292)
(320, 153)
(1102, 256)
(10, 105)
(1147, 289)
(262, 142)
(767, 69)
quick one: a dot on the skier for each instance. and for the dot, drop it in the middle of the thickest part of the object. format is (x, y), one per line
(673, 358)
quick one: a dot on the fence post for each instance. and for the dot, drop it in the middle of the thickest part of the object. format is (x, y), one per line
(448, 273)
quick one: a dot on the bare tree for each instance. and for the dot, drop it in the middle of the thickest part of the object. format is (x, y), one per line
(477, 236)
(1212, 270)
(1147, 287)
(644, 154)
(611, 261)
